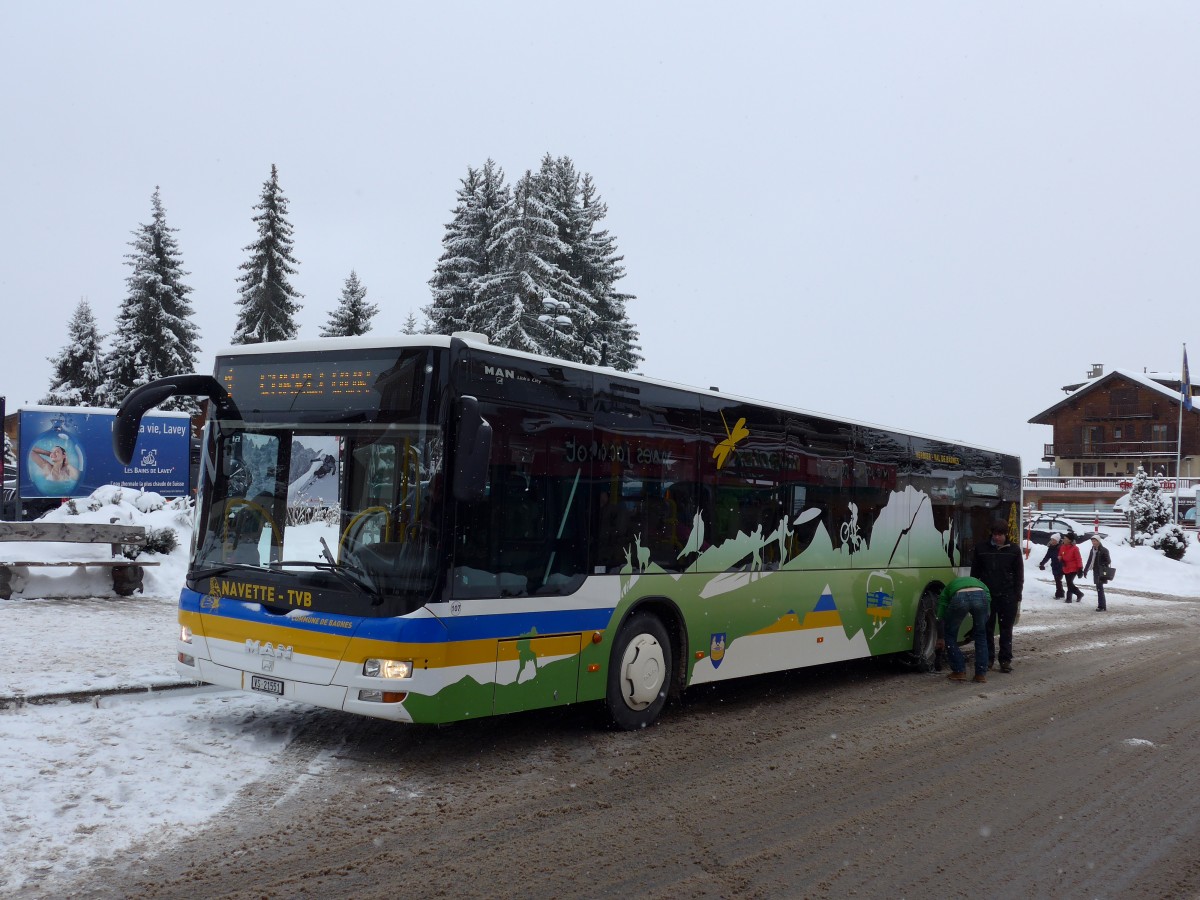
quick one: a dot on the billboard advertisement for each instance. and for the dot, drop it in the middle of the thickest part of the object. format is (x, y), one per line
(67, 452)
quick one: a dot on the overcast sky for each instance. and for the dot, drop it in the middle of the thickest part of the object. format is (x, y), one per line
(923, 215)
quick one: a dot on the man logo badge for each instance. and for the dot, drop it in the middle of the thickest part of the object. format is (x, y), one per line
(268, 650)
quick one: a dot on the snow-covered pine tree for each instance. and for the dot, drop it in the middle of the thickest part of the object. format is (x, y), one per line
(509, 305)
(410, 324)
(482, 198)
(268, 301)
(154, 335)
(597, 266)
(1148, 508)
(593, 262)
(353, 313)
(78, 378)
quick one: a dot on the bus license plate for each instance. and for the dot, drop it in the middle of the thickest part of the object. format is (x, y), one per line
(266, 685)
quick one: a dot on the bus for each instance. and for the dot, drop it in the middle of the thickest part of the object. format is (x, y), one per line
(431, 529)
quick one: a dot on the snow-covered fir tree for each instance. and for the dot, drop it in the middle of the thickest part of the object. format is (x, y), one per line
(78, 378)
(267, 299)
(521, 304)
(154, 335)
(466, 258)
(597, 266)
(410, 324)
(592, 262)
(353, 313)
(501, 263)
(1148, 508)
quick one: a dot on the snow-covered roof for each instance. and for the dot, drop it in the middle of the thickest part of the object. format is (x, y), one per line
(362, 342)
(1144, 379)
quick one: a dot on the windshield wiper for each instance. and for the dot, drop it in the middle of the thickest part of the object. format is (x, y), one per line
(222, 568)
(341, 570)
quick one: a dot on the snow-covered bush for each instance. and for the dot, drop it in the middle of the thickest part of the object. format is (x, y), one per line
(1148, 507)
(308, 513)
(1171, 540)
(148, 501)
(182, 507)
(158, 540)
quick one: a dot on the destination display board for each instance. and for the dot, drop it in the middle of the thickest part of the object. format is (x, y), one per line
(320, 381)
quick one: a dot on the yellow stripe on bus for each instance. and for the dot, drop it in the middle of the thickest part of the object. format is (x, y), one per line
(340, 647)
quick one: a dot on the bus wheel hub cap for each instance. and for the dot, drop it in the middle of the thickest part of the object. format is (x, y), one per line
(643, 670)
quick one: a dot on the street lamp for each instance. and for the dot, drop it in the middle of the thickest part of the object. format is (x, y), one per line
(596, 332)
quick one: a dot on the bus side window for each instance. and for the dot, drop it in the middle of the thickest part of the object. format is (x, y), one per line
(645, 439)
(527, 536)
(613, 534)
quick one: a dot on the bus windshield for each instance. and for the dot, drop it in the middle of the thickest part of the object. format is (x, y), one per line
(345, 505)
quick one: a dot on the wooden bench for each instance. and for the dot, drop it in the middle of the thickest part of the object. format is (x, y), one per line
(126, 573)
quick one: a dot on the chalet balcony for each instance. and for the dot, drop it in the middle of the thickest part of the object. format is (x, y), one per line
(1126, 411)
(1115, 485)
(1111, 449)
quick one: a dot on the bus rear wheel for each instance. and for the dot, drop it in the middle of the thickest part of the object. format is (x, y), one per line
(638, 673)
(925, 627)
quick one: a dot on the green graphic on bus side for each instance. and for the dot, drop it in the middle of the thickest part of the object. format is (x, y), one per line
(827, 603)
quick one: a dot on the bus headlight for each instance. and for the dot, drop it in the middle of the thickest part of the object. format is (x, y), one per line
(388, 668)
(185, 634)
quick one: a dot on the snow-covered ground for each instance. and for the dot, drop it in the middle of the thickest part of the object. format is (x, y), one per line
(80, 782)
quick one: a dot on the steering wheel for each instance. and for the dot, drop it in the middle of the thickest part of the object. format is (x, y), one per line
(257, 509)
(345, 540)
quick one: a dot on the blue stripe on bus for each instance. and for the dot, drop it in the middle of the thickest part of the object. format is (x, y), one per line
(420, 630)
(507, 625)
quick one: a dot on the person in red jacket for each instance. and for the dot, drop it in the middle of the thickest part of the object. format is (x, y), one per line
(1072, 565)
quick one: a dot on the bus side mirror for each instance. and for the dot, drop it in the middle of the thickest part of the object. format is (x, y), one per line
(140, 399)
(472, 453)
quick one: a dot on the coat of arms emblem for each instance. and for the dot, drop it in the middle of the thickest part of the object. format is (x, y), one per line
(716, 649)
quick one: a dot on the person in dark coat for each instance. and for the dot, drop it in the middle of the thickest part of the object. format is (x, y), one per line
(999, 565)
(1055, 564)
(1099, 559)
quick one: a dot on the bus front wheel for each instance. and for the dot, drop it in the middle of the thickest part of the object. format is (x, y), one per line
(638, 673)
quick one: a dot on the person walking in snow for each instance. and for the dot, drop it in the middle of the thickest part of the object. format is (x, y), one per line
(1055, 564)
(1072, 565)
(1099, 559)
(999, 565)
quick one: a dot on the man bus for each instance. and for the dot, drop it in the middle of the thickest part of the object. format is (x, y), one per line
(498, 531)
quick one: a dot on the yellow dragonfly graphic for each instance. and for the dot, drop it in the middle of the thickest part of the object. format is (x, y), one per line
(740, 433)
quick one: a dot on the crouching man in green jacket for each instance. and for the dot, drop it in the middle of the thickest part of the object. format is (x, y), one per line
(964, 597)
